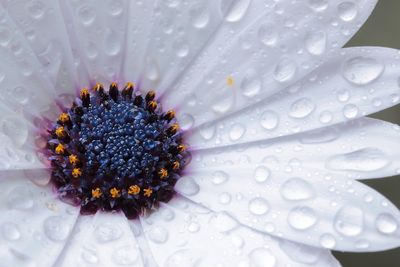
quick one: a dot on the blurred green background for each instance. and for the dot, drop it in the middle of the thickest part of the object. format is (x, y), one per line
(381, 29)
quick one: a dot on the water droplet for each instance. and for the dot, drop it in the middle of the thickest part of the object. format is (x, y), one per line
(5, 36)
(126, 255)
(20, 94)
(181, 48)
(325, 117)
(237, 9)
(350, 111)
(89, 256)
(363, 160)
(173, 3)
(285, 70)
(362, 70)
(36, 9)
(302, 218)
(10, 231)
(112, 43)
(20, 198)
(207, 131)
(301, 108)
(261, 174)
(182, 258)
(56, 228)
(343, 95)
(269, 120)
(327, 241)
(116, 8)
(349, 221)
(262, 257)
(152, 71)
(186, 121)
(237, 131)
(219, 177)
(316, 42)
(193, 227)
(107, 232)
(158, 234)
(297, 189)
(268, 35)
(86, 15)
(224, 104)
(323, 135)
(386, 223)
(187, 186)
(225, 198)
(251, 83)
(223, 222)
(347, 11)
(318, 5)
(258, 206)
(15, 129)
(200, 17)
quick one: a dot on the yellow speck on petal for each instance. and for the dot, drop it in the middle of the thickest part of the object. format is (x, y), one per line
(60, 132)
(76, 172)
(133, 190)
(148, 192)
(230, 81)
(84, 93)
(64, 117)
(73, 159)
(96, 193)
(176, 165)
(163, 173)
(60, 149)
(114, 192)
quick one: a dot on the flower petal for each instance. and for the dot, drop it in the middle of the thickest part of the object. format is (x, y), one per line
(259, 53)
(147, 255)
(43, 27)
(182, 233)
(98, 34)
(292, 190)
(354, 83)
(104, 239)
(34, 224)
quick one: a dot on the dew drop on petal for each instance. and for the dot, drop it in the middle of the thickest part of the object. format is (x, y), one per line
(107, 232)
(302, 218)
(362, 70)
(285, 70)
(126, 255)
(316, 43)
(158, 234)
(219, 177)
(297, 189)
(89, 256)
(350, 111)
(187, 186)
(237, 10)
(349, 221)
(10, 231)
(386, 223)
(20, 198)
(347, 11)
(237, 131)
(112, 43)
(15, 129)
(268, 35)
(327, 241)
(318, 5)
(223, 222)
(251, 84)
(262, 257)
(269, 120)
(182, 258)
(56, 228)
(86, 15)
(301, 108)
(258, 206)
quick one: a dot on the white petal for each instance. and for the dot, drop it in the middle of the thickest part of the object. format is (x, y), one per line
(354, 83)
(105, 240)
(180, 30)
(97, 31)
(359, 149)
(284, 190)
(261, 52)
(147, 255)
(43, 26)
(183, 234)
(34, 224)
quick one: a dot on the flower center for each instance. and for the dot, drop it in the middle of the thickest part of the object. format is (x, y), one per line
(116, 151)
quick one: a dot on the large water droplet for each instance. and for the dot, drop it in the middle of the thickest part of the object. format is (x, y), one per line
(268, 35)
(36, 9)
(152, 70)
(86, 15)
(262, 257)
(112, 43)
(224, 104)
(349, 221)
(261, 174)
(200, 17)
(20, 198)
(158, 234)
(297, 189)
(269, 120)
(10, 231)
(258, 206)
(182, 258)
(350, 111)
(347, 11)
(107, 232)
(301, 108)
(327, 241)
(89, 256)
(15, 129)
(181, 48)
(5, 36)
(251, 83)
(219, 177)
(20, 94)
(316, 42)
(364, 160)
(302, 217)
(187, 186)
(318, 5)
(56, 228)
(186, 121)
(386, 223)
(237, 131)
(236, 11)
(223, 222)
(126, 255)
(362, 70)
(285, 70)
(207, 131)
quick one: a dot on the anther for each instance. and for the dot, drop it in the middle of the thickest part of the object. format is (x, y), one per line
(138, 101)
(169, 115)
(181, 148)
(150, 96)
(176, 165)
(76, 172)
(98, 87)
(148, 192)
(133, 190)
(60, 132)
(85, 97)
(96, 193)
(163, 173)
(60, 149)
(114, 192)
(151, 106)
(113, 92)
(63, 118)
(73, 159)
(173, 129)
(128, 90)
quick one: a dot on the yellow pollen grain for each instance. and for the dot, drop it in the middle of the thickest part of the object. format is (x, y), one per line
(148, 192)
(73, 159)
(175, 127)
(133, 190)
(64, 117)
(84, 92)
(170, 114)
(96, 193)
(181, 148)
(153, 105)
(114, 192)
(60, 132)
(97, 87)
(176, 165)
(60, 149)
(163, 173)
(230, 81)
(76, 172)
(114, 84)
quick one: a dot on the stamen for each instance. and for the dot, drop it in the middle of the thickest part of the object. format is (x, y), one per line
(176, 165)
(96, 193)
(73, 159)
(76, 172)
(60, 132)
(169, 115)
(148, 192)
(152, 105)
(60, 149)
(63, 118)
(114, 192)
(163, 173)
(134, 190)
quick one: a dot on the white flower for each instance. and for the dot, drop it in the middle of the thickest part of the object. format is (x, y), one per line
(271, 107)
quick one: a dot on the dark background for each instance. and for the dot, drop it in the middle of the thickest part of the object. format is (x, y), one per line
(381, 29)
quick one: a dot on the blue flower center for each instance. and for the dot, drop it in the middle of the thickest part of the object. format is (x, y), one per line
(116, 151)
